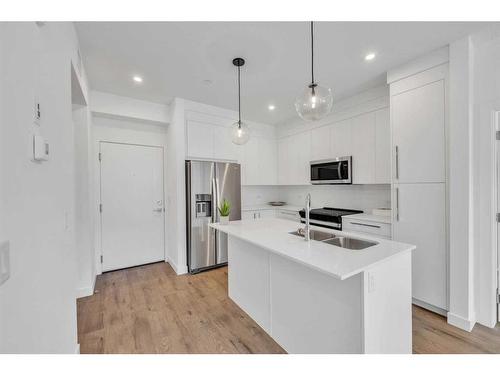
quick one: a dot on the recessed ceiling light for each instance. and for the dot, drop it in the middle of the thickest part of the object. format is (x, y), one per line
(271, 107)
(370, 56)
(137, 79)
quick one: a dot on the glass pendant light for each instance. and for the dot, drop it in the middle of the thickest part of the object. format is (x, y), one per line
(240, 133)
(316, 101)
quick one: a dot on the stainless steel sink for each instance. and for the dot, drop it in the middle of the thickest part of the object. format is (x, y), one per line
(315, 234)
(332, 239)
(350, 243)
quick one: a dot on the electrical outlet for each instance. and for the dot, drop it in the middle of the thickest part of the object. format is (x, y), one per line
(4, 261)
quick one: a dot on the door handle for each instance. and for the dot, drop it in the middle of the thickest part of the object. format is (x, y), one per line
(397, 204)
(158, 210)
(397, 163)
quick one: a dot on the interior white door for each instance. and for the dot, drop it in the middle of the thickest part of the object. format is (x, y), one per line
(132, 217)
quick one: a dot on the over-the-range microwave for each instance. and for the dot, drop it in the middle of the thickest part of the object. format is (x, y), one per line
(332, 171)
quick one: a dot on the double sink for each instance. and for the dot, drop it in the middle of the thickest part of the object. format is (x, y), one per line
(333, 239)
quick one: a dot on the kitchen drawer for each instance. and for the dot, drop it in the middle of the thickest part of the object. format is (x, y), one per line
(377, 229)
(287, 214)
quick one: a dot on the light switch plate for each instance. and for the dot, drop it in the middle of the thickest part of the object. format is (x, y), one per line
(4, 261)
(40, 148)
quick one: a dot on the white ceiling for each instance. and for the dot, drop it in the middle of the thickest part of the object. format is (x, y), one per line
(174, 58)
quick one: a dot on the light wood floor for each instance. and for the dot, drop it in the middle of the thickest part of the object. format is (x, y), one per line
(149, 309)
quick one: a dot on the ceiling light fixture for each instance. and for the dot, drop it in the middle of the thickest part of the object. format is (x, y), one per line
(271, 107)
(240, 133)
(370, 56)
(316, 101)
(137, 79)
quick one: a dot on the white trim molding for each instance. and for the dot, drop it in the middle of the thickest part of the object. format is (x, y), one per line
(178, 270)
(421, 64)
(86, 291)
(460, 322)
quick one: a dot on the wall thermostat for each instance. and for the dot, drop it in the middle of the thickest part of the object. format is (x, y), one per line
(40, 148)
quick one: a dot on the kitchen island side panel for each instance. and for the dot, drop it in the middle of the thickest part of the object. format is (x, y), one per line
(312, 312)
(248, 280)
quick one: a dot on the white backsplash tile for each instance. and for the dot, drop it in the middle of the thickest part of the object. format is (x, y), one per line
(362, 197)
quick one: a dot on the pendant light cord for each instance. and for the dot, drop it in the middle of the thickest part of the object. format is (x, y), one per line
(239, 99)
(312, 53)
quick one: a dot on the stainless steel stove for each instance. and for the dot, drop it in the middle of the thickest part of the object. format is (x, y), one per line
(327, 217)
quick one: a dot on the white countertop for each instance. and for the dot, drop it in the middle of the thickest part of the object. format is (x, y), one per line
(273, 235)
(287, 207)
(369, 217)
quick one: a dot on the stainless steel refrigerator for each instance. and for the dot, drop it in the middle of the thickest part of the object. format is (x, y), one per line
(207, 184)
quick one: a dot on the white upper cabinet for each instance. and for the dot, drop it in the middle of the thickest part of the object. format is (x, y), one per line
(341, 139)
(301, 147)
(363, 149)
(249, 162)
(382, 147)
(268, 161)
(258, 157)
(200, 140)
(224, 148)
(418, 130)
(259, 162)
(365, 137)
(294, 155)
(283, 161)
(320, 143)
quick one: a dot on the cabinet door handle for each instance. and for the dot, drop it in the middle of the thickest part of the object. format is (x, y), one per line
(397, 204)
(365, 225)
(397, 162)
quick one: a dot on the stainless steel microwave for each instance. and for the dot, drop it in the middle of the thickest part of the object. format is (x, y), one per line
(332, 171)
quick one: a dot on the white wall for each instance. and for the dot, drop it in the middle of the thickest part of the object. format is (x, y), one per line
(461, 185)
(120, 106)
(175, 187)
(37, 304)
(486, 100)
(259, 195)
(84, 215)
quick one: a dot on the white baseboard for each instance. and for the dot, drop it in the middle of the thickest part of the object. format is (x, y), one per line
(460, 322)
(86, 291)
(178, 270)
(429, 307)
(77, 349)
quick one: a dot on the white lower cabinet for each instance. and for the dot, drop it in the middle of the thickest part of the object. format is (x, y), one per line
(283, 213)
(288, 215)
(419, 219)
(373, 228)
(257, 214)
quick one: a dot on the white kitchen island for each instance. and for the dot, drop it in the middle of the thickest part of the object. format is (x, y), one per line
(313, 297)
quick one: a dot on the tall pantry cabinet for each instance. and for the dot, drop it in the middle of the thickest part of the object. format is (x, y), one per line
(418, 115)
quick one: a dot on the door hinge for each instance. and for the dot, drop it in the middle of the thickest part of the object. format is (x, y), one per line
(498, 217)
(101, 259)
(100, 207)
(100, 156)
(497, 135)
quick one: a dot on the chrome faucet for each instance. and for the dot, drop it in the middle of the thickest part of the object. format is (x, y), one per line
(307, 229)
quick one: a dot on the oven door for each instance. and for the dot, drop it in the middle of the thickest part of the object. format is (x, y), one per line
(334, 171)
